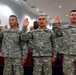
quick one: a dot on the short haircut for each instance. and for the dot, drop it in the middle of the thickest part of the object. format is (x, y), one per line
(73, 11)
(42, 15)
(13, 16)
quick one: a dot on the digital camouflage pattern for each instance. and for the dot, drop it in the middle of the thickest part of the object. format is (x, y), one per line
(42, 44)
(67, 45)
(11, 44)
(12, 51)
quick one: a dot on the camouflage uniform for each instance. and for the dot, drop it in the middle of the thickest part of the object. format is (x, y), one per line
(42, 43)
(11, 51)
(1, 38)
(67, 45)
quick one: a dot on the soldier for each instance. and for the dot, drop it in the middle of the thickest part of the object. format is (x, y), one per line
(1, 58)
(58, 65)
(11, 48)
(67, 44)
(42, 43)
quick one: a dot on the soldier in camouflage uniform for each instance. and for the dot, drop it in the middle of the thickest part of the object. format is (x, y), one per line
(11, 48)
(67, 45)
(42, 43)
(1, 38)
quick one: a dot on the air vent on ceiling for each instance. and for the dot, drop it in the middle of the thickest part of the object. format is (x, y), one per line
(24, 0)
(33, 6)
(40, 11)
(46, 15)
(50, 18)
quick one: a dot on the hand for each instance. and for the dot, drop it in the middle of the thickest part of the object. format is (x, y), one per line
(23, 61)
(57, 19)
(53, 59)
(31, 28)
(25, 22)
(5, 27)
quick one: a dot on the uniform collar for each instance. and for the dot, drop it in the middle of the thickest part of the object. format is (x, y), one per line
(46, 29)
(14, 29)
(72, 25)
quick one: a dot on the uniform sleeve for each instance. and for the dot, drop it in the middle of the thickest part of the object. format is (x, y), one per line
(30, 43)
(23, 34)
(57, 31)
(25, 37)
(1, 36)
(54, 45)
(24, 49)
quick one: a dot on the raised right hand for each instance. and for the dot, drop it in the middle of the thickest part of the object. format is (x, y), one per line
(31, 28)
(23, 61)
(26, 22)
(57, 19)
(5, 27)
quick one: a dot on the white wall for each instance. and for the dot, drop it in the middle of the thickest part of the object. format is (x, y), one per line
(30, 16)
(8, 8)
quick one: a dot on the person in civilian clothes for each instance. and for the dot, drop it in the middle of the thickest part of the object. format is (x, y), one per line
(28, 65)
(58, 64)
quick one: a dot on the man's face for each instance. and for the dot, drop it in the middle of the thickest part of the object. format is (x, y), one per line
(59, 26)
(73, 17)
(12, 21)
(42, 21)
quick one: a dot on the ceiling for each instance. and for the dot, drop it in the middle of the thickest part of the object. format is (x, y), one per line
(50, 8)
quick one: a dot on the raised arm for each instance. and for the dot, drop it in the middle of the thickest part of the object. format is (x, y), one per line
(57, 27)
(25, 37)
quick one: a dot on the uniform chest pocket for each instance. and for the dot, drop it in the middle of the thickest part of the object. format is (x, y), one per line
(6, 36)
(73, 38)
(41, 37)
(15, 37)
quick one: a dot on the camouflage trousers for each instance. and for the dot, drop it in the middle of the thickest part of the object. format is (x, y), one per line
(42, 65)
(12, 66)
(69, 65)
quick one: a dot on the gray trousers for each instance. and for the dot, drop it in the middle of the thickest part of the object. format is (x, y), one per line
(13, 67)
(42, 65)
(69, 65)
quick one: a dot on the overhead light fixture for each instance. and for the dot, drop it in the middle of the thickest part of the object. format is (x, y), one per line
(67, 15)
(37, 9)
(60, 6)
(48, 17)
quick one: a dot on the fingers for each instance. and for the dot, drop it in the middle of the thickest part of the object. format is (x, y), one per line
(53, 59)
(23, 62)
(57, 19)
(26, 22)
(5, 27)
(31, 28)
